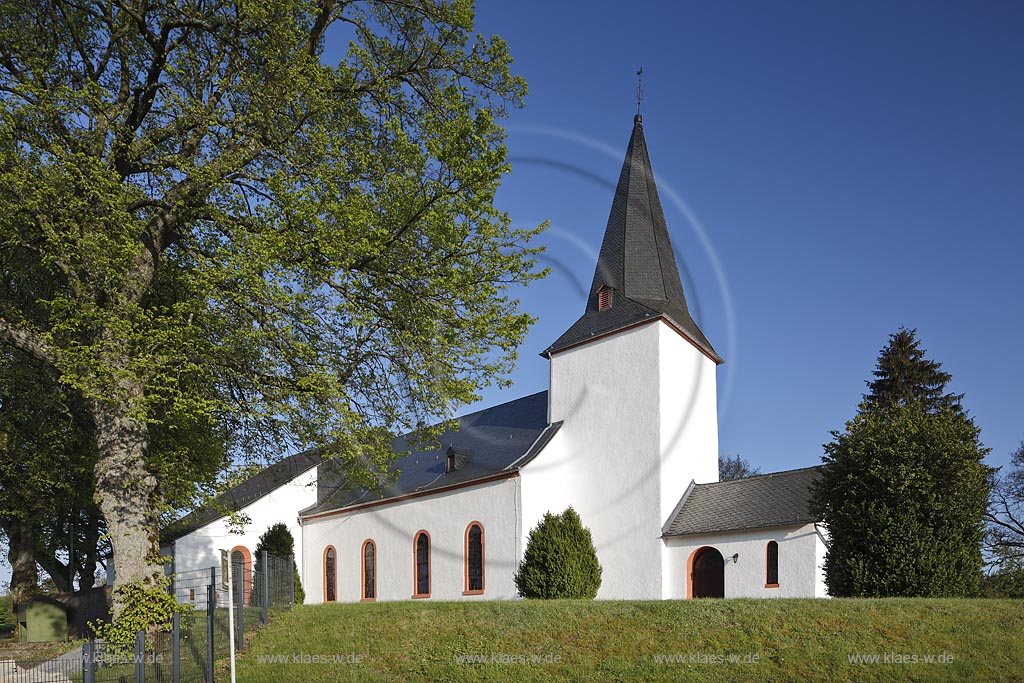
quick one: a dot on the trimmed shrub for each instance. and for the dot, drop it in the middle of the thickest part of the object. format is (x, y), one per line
(560, 560)
(277, 541)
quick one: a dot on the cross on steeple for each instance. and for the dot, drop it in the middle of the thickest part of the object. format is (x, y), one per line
(639, 88)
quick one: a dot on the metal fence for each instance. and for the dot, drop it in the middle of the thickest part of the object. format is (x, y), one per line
(59, 670)
(198, 638)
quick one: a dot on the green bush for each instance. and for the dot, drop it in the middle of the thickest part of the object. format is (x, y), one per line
(277, 541)
(903, 494)
(560, 560)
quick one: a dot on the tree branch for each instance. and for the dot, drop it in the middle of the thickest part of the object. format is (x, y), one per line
(28, 341)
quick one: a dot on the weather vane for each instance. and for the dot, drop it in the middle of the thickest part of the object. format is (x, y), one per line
(639, 88)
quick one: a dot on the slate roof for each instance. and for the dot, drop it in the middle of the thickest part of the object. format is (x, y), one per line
(248, 491)
(493, 441)
(764, 500)
(489, 442)
(636, 261)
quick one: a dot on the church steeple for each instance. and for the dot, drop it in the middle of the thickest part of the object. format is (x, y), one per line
(636, 278)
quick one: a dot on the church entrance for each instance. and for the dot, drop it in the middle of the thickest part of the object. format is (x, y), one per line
(707, 577)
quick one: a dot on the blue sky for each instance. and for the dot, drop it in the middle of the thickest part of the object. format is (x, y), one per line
(830, 172)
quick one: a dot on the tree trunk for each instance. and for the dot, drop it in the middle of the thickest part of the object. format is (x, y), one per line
(24, 574)
(87, 567)
(57, 570)
(126, 494)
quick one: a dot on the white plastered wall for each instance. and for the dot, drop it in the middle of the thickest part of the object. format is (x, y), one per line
(640, 421)
(445, 516)
(800, 557)
(689, 424)
(820, 589)
(201, 548)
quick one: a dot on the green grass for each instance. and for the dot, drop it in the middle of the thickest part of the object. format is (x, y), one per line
(794, 640)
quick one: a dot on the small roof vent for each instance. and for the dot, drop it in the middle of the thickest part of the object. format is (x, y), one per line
(455, 459)
(604, 297)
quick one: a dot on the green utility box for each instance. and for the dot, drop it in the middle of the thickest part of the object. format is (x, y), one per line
(42, 620)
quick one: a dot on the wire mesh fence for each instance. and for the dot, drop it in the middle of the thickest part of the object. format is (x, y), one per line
(57, 670)
(199, 634)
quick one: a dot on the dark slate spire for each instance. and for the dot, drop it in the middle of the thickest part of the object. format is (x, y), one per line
(636, 262)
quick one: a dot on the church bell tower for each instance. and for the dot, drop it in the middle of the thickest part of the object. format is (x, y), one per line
(633, 382)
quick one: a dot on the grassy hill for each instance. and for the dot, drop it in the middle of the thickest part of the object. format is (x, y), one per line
(702, 640)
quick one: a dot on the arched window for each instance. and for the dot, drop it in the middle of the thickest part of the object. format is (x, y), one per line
(474, 559)
(330, 574)
(241, 573)
(772, 575)
(421, 552)
(369, 572)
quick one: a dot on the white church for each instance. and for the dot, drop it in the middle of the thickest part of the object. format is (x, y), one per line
(627, 434)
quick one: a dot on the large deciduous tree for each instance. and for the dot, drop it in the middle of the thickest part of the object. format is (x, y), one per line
(904, 488)
(211, 222)
(735, 467)
(1006, 514)
(46, 461)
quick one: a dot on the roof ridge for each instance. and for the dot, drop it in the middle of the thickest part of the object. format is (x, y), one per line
(760, 475)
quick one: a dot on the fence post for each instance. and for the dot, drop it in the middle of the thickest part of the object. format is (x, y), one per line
(176, 647)
(239, 599)
(211, 604)
(265, 586)
(89, 661)
(291, 581)
(140, 657)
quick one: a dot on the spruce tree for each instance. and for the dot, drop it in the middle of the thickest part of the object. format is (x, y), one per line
(904, 488)
(905, 376)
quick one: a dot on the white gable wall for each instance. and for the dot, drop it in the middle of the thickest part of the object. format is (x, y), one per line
(393, 526)
(606, 392)
(201, 548)
(688, 408)
(801, 554)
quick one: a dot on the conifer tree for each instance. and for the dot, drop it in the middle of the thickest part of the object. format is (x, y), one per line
(277, 541)
(904, 488)
(905, 376)
(560, 559)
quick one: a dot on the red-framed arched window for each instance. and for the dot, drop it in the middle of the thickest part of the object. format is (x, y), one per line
(368, 573)
(474, 554)
(241, 572)
(421, 564)
(330, 574)
(771, 579)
